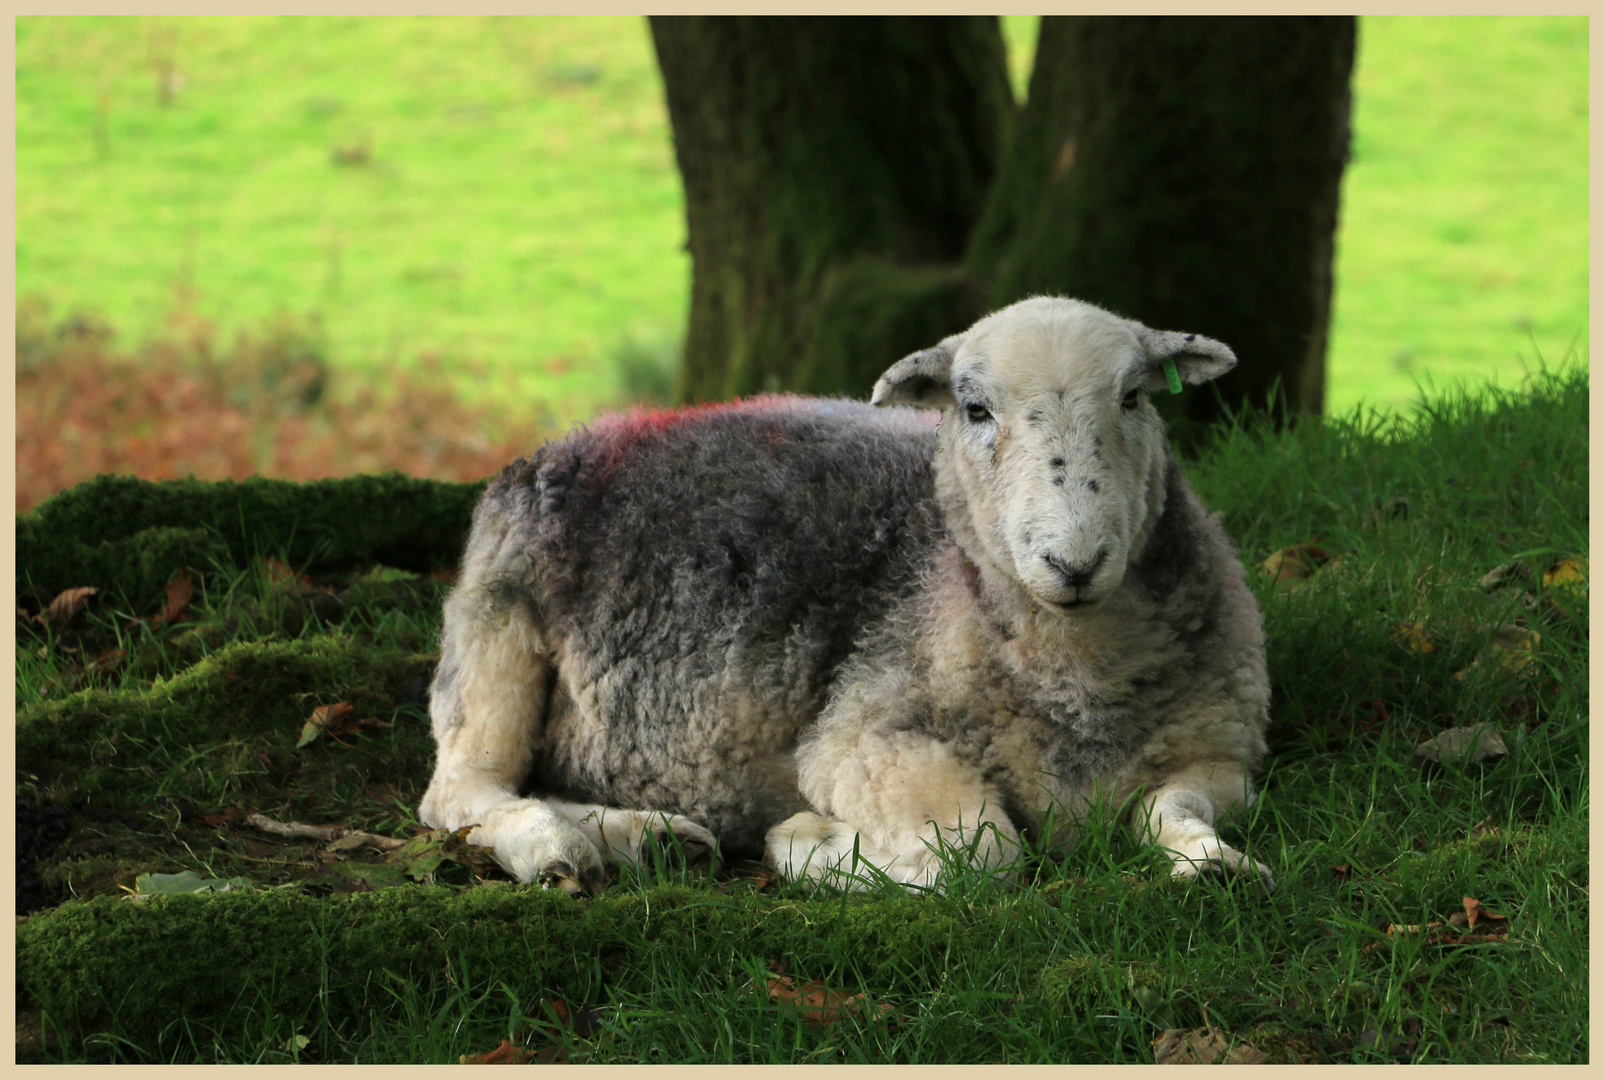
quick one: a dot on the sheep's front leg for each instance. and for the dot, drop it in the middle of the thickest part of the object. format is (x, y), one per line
(1179, 816)
(487, 704)
(898, 803)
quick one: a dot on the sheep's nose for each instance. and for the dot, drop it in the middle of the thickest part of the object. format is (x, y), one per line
(1077, 576)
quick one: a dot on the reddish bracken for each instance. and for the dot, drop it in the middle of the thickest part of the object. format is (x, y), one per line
(178, 410)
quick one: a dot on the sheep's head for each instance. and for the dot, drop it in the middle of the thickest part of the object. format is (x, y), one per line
(1052, 463)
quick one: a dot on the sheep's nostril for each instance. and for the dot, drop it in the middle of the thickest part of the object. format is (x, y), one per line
(1077, 575)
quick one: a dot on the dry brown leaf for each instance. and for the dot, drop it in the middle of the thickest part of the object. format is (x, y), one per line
(1414, 638)
(106, 661)
(1291, 565)
(817, 1003)
(1491, 927)
(508, 1053)
(327, 716)
(180, 591)
(279, 573)
(1203, 1046)
(1476, 915)
(60, 611)
(1510, 651)
(1494, 578)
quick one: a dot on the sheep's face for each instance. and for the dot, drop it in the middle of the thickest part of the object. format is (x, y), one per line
(1052, 457)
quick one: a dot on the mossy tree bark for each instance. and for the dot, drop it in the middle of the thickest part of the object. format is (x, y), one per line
(1184, 172)
(858, 188)
(815, 150)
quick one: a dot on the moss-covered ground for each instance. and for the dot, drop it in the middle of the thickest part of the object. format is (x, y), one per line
(152, 726)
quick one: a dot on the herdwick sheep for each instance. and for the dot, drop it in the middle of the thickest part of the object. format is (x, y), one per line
(848, 638)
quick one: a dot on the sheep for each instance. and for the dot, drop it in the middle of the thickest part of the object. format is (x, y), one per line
(861, 641)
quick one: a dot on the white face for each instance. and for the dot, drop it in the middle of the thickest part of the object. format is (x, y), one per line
(1056, 447)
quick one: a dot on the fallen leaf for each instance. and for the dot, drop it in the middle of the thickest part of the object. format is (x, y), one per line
(186, 881)
(1414, 638)
(1494, 578)
(1566, 586)
(369, 876)
(60, 611)
(1203, 1046)
(1490, 927)
(1510, 651)
(325, 718)
(180, 591)
(583, 1022)
(423, 854)
(817, 1003)
(1570, 574)
(279, 573)
(1291, 565)
(1479, 742)
(1476, 915)
(508, 1053)
(106, 661)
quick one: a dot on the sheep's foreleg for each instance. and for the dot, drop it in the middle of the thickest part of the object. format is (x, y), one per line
(1179, 816)
(900, 805)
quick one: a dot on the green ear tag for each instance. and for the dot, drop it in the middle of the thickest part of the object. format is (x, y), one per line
(1172, 379)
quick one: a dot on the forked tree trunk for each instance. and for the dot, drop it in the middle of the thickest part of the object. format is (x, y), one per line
(853, 190)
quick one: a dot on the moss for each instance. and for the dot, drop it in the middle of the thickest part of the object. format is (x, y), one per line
(871, 312)
(219, 959)
(98, 742)
(118, 531)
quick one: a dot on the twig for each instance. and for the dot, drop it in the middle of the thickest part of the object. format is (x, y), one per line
(299, 831)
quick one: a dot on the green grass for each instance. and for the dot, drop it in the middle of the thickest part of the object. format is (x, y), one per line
(520, 209)
(1463, 243)
(1096, 953)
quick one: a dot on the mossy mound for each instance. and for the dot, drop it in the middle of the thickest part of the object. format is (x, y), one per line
(218, 960)
(98, 743)
(129, 534)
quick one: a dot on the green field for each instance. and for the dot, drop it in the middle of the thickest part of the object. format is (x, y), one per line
(509, 201)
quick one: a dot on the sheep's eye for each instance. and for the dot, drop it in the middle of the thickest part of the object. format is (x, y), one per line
(977, 414)
(1130, 400)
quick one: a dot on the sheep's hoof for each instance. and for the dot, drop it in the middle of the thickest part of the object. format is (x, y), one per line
(680, 843)
(561, 875)
(1226, 867)
(678, 851)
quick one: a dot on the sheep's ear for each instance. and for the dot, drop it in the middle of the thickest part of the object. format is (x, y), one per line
(923, 379)
(1197, 358)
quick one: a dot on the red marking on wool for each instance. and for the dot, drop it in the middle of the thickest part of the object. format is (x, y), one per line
(621, 433)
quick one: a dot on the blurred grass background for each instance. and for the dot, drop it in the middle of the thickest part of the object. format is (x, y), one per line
(498, 196)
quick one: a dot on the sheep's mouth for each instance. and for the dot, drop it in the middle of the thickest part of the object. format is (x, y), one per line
(1071, 605)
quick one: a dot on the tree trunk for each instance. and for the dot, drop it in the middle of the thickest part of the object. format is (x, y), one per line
(1184, 172)
(822, 157)
(842, 208)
